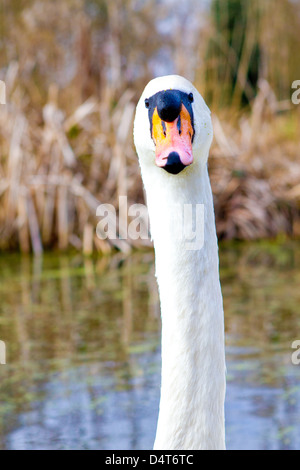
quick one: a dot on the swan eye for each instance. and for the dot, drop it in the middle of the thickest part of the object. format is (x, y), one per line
(147, 104)
(191, 97)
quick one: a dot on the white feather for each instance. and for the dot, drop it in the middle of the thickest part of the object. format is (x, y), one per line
(191, 414)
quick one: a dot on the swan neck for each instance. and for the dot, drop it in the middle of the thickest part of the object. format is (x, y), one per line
(191, 414)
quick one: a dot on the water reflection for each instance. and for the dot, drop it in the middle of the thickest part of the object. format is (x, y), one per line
(83, 358)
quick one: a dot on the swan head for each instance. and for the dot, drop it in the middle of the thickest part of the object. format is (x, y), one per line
(172, 128)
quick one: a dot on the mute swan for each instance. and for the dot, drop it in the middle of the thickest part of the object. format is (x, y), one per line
(173, 134)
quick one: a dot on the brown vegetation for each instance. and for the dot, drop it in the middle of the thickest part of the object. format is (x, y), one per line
(66, 131)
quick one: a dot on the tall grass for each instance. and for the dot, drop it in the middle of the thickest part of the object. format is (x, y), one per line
(74, 70)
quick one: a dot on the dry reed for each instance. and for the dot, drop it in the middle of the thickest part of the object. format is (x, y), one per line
(67, 148)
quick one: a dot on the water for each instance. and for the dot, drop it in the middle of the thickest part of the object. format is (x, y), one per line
(83, 350)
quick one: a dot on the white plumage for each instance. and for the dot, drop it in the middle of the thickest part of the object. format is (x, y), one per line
(191, 414)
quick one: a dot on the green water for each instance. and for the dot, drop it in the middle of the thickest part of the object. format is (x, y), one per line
(83, 349)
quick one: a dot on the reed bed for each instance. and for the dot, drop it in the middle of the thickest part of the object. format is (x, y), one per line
(255, 171)
(49, 195)
(66, 143)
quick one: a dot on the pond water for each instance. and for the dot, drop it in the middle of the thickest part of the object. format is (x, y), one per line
(83, 349)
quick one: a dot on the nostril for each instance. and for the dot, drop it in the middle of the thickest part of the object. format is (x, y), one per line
(169, 105)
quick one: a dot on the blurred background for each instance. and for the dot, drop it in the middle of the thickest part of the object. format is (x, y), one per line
(80, 316)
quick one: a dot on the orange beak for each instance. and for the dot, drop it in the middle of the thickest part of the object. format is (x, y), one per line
(173, 137)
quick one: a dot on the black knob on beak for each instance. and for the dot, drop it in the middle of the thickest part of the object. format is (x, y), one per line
(169, 105)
